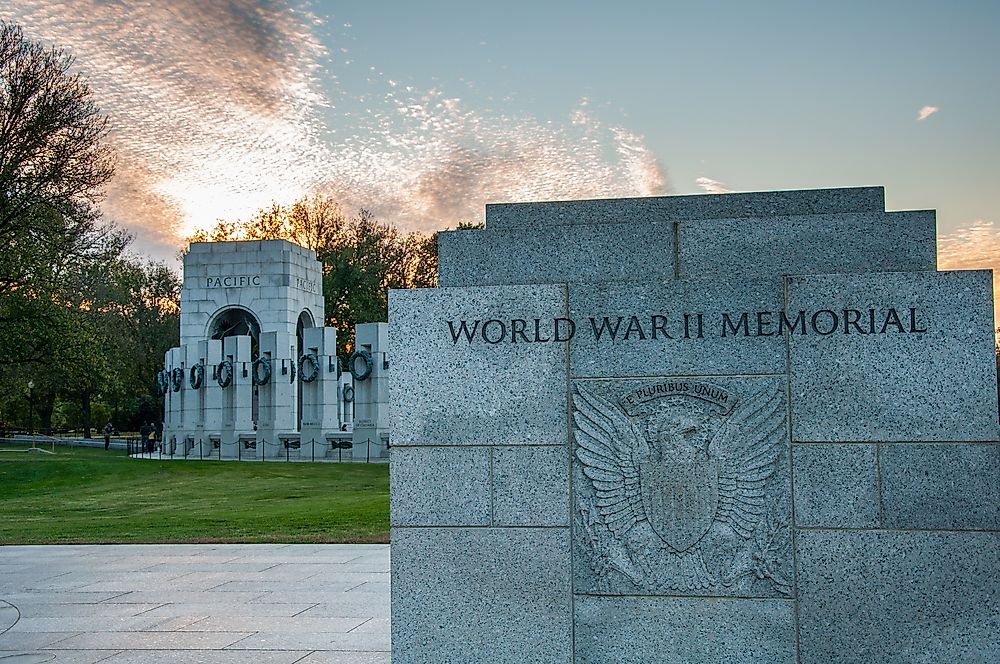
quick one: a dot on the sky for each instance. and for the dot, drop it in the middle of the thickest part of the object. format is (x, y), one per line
(425, 111)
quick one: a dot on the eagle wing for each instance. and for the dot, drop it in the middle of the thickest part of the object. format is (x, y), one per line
(746, 467)
(607, 444)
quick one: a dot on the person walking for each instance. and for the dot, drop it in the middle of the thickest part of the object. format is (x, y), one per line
(144, 432)
(108, 429)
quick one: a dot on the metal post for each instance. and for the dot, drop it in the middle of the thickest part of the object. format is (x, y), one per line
(31, 412)
(287, 451)
(239, 449)
(368, 454)
(314, 449)
(201, 449)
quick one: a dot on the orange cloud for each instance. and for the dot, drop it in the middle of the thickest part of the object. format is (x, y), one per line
(975, 247)
(221, 108)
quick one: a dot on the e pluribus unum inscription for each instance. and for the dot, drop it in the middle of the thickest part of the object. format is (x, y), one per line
(681, 487)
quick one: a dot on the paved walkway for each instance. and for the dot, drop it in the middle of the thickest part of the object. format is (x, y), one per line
(211, 603)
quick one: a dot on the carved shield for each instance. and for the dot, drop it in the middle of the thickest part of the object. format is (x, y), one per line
(680, 499)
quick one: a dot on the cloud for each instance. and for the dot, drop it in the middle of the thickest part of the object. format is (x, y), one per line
(710, 186)
(926, 112)
(975, 247)
(220, 108)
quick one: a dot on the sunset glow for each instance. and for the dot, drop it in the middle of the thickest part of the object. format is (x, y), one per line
(425, 114)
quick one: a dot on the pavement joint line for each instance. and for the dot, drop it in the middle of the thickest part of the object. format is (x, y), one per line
(108, 599)
(363, 583)
(152, 609)
(242, 638)
(70, 635)
(357, 626)
(304, 610)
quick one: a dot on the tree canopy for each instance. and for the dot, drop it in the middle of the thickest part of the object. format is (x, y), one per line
(79, 317)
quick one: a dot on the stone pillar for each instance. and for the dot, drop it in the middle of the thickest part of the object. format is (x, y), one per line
(191, 413)
(209, 398)
(319, 393)
(237, 398)
(276, 398)
(371, 393)
(765, 431)
(171, 403)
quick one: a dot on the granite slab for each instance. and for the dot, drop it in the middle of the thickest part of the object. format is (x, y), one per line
(658, 209)
(467, 386)
(558, 254)
(531, 486)
(815, 244)
(898, 597)
(836, 486)
(670, 630)
(440, 486)
(490, 595)
(947, 486)
(893, 357)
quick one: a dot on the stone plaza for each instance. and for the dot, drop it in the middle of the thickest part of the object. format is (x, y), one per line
(726, 428)
(187, 603)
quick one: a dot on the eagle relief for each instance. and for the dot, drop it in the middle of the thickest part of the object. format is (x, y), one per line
(675, 488)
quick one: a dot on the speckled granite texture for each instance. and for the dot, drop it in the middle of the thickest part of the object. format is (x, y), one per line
(658, 209)
(898, 384)
(738, 428)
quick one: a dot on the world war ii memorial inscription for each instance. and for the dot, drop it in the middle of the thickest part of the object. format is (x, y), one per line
(742, 428)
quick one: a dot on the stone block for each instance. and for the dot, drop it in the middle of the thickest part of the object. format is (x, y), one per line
(673, 630)
(836, 486)
(681, 487)
(448, 390)
(947, 486)
(898, 597)
(558, 254)
(490, 595)
(927, 373)
(531, 486)
(440, 486)
(658, 209)
(817, 244)
(659, 340)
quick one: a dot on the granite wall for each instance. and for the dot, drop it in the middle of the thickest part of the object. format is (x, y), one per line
(741, 428)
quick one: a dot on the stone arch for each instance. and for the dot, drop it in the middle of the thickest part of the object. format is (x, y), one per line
(234, 320)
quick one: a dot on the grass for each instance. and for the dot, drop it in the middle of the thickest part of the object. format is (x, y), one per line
(89, 496)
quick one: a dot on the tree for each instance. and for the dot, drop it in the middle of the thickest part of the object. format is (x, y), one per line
(78, 317)
(53, 157)
(53, 167)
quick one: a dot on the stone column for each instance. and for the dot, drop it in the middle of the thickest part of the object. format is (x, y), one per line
(171, 403)
(237, 398)
(192, 416)
(276, 397)
(371, 398)
(210, 397)
(319, 395)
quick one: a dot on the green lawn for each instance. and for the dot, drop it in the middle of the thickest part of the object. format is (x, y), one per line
(83, 495)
